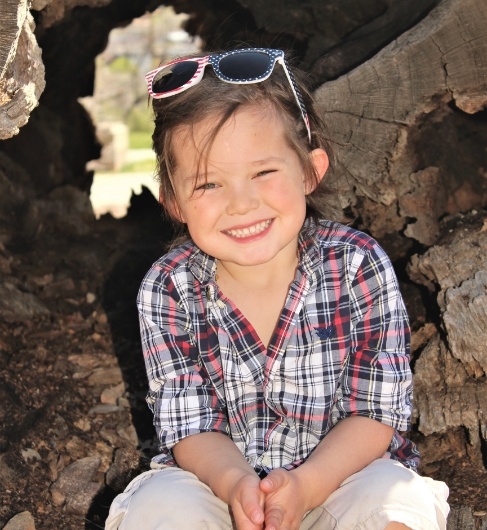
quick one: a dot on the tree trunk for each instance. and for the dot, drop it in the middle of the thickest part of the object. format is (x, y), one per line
(393, 119)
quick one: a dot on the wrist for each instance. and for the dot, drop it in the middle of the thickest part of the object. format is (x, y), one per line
(313, 483)
(228, 481)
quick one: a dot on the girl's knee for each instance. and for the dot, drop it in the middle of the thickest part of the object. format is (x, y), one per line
(386, 492)
(171, 498)
(391, 481)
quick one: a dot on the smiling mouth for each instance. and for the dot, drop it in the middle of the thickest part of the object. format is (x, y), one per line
(250, 230)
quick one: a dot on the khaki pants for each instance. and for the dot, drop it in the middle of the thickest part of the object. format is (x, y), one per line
(384, 491)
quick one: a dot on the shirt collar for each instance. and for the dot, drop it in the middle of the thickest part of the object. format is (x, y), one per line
(308, 248)
(203, 266)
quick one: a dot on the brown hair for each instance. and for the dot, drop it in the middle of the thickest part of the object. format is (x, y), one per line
(220, 100)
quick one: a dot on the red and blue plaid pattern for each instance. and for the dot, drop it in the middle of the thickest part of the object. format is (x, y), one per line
(340, 348)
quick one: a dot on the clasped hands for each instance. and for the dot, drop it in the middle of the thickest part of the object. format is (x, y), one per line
(277, 502)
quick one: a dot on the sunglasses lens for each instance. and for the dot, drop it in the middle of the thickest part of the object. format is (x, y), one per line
(244, 66)
(173, 76)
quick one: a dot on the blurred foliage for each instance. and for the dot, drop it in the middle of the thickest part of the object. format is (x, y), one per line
(123, 65)
(140, 139)
(139, 166)
(139, 119)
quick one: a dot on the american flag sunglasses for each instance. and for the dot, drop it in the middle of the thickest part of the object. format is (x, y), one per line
(245, 66)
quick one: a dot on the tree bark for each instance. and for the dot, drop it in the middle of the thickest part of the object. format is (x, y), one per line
(21, 67)
(382, 117)
(450, 389)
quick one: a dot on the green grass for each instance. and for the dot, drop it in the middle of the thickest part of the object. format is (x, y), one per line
(122, 64)
(141, 166)
(140, 140)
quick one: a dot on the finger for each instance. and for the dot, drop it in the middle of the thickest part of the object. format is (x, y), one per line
(252, 503)
(242, 522)
(274, 518)
(245, 524)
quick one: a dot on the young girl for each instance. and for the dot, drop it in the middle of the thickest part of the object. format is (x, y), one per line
(276, 343)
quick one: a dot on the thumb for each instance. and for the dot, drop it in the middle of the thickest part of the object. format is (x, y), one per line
(275, 480)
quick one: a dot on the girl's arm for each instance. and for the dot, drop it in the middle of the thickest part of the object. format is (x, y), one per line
(181, 394)
(373, 398)
(349, 447)
(216, 461)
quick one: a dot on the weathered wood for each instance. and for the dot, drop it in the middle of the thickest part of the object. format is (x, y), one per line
(339, 34)
(450, 389)
(21, 67)
(54, 11)
(377, 113)
(463, 518)
(13, 16)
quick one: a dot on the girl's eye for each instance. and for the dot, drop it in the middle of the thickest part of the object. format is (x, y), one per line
(265, 172)
(206, 186)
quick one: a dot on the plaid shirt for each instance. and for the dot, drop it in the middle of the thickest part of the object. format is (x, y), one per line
(340, 348)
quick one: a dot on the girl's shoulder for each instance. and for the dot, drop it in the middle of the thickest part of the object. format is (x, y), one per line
(332, 233)
(174, 262)
(348, 248)
(176, 256)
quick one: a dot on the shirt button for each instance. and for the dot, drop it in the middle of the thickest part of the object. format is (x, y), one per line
(266, 461)
(220, 304)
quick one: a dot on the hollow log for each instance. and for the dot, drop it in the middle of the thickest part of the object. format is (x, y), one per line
(404, 101)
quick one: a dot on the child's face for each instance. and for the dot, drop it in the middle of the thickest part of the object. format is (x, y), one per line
(250, 206)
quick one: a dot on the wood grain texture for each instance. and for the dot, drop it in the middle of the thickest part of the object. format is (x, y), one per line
(376, 113)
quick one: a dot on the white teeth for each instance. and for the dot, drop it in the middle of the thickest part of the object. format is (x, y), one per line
(249, 231)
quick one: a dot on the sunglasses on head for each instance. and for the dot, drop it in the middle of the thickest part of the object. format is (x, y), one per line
(249, 65)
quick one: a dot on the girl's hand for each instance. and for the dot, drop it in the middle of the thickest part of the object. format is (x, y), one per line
(285, 500)
(247, 502)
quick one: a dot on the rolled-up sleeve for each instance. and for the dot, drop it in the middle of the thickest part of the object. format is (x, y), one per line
(376, 380)
(181, 395)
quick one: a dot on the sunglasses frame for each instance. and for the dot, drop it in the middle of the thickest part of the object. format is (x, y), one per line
(275, 56)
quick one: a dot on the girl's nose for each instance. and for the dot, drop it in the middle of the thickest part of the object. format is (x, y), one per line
(241, 199)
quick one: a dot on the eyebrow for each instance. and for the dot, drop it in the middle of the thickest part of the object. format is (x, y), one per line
(196, 178)
(268, 160)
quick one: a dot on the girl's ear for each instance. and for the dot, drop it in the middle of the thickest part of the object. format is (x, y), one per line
(171, 205)
(320, 162)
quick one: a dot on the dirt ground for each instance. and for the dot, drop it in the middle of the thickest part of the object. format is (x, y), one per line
(72, 381)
